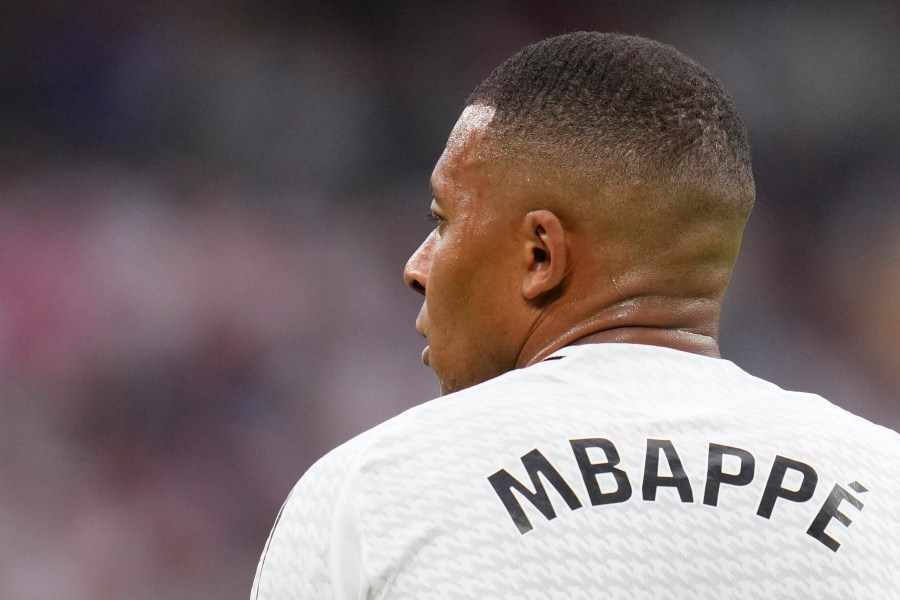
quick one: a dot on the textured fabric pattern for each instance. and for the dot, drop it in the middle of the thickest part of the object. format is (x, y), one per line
(725, 486)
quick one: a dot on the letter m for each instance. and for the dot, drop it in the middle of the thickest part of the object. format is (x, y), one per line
(536, 465)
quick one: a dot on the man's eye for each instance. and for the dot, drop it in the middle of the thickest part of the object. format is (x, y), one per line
(437, 219)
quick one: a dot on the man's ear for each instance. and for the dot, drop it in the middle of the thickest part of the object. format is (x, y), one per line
(546, 254)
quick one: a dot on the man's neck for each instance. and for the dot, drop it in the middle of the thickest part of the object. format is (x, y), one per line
(689, 325)
(677, 339)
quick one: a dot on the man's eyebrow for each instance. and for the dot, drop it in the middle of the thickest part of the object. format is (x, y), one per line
(434, 192)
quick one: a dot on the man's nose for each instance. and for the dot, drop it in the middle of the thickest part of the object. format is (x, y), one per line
(415, 273)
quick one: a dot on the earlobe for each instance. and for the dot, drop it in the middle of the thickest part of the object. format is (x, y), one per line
(546, 254)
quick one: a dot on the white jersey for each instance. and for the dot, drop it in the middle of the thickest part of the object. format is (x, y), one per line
(607, 471)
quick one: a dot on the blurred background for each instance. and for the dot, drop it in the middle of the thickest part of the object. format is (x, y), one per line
(204, 213)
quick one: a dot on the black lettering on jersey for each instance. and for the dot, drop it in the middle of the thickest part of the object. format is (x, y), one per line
(830, 511)
(774, 486)
(536, 464)
(652, 478)
(715, 476)
(589, 471)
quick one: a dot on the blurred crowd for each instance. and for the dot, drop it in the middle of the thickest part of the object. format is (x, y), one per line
(205, 211)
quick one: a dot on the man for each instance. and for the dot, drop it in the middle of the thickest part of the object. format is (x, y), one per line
(590, 442)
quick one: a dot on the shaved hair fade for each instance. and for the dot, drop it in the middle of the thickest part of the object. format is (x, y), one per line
(614, 109)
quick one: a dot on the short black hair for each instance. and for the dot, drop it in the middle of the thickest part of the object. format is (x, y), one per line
(626, 108)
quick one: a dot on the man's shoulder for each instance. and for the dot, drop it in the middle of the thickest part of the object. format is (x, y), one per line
(850, 427)
(456, 414)
(601, 390)
(448, 426)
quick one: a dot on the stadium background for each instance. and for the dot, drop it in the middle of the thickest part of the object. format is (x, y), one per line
(204, 213)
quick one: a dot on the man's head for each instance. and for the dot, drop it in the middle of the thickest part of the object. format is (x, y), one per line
(595, 187)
